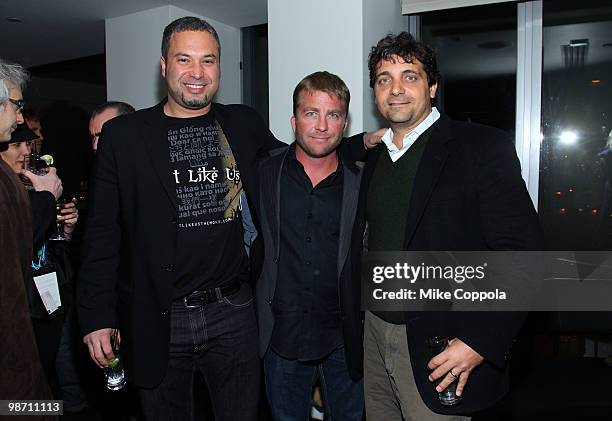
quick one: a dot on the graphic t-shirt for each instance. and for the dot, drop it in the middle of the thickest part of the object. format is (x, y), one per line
(207, 182)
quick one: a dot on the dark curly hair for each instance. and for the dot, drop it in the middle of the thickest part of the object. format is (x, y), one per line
(405, 46)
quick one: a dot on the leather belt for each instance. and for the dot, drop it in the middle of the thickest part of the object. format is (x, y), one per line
(199, 298)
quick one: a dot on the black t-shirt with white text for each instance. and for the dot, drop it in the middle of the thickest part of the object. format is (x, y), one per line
(210, 250)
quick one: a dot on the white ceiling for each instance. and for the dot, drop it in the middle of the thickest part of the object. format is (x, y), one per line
(57, 30)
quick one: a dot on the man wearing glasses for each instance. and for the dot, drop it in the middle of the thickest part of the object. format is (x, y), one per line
(11, 114)
(21, 376)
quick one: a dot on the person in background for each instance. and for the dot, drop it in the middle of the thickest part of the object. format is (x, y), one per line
(22, 376)
(101, 114)
(48, 257)
(32, 120)
(64, 376)
(46, 188)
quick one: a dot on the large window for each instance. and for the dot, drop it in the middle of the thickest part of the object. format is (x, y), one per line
(550, 61)
(575, 200)
(477, 49)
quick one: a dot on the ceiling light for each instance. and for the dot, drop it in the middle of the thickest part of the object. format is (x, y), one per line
(579, 42)
(595, 81)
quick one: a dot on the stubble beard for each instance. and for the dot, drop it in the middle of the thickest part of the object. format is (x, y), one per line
(400, 119)
(399, 116)
(313, 154)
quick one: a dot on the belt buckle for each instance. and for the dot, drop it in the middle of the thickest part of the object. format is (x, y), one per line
(190, 305)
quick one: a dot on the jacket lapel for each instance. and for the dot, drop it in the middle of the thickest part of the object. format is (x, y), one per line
(350, 195)
(156, 146)
(431, 164)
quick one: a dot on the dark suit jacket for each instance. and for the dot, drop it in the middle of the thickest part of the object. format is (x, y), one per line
(130, 239)
(468, 194)
(349, 294)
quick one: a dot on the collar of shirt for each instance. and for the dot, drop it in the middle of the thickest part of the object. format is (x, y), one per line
(297, 163)
(396, 153)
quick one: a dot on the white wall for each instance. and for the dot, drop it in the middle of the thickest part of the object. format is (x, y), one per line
(307, 36)
(132, 56)
(381, 18)
(420, 6)
(133, 49)
(336, 36)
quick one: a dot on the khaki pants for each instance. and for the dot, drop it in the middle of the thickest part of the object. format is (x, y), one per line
(390, 391)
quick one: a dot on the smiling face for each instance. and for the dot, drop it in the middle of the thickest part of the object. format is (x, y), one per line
(192, 73)
(318, 123)
(402, 93)
(10, 115)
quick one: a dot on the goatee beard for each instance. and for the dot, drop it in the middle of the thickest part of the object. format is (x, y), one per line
(196, 103)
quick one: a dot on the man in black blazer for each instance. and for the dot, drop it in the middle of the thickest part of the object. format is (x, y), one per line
(436, 185)
(163, 254)
(308, 310)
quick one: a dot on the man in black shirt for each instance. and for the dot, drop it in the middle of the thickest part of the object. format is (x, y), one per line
(309, 322)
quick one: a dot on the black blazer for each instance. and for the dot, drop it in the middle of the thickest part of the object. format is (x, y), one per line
(130, 238)
(468, 194)
(348, 292)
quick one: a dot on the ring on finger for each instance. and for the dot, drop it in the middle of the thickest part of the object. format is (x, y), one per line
(453, 374)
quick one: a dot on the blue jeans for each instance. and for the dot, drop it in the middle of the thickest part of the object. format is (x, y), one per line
(289, 386)
(220, 340)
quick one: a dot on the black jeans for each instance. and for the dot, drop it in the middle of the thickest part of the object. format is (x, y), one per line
(220, 340)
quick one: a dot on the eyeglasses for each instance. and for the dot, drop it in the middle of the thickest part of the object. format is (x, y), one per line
(19, 103)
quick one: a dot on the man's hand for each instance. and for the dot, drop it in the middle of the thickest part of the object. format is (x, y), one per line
(99, 344)
(458, 360)
(372, 139)
(49, 182)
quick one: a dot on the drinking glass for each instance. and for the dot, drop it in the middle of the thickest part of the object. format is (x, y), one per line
(59, 224)
(115, 375)
(447, 397)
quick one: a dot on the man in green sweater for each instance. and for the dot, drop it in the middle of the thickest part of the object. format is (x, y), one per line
(436, 185)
